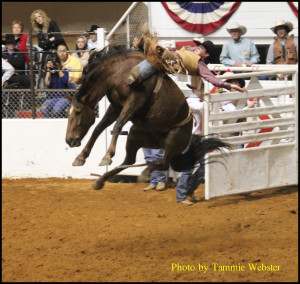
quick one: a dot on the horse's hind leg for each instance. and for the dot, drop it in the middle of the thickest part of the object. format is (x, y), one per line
(174, 143)
(110, 116)
(132, 146)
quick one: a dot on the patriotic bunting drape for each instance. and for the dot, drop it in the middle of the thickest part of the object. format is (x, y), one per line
(201, 17)
(294, 7)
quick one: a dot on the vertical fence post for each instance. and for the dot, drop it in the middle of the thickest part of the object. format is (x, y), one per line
(128, 32)
(32, 76)
(100, 38)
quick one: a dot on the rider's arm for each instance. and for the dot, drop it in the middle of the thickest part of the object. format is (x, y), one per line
(209, 77)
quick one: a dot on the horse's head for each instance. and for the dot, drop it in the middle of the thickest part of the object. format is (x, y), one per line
(80, 119)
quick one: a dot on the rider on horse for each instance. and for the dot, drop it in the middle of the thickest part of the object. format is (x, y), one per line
(192, 62)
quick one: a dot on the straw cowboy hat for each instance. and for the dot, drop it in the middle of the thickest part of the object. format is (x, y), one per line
(237, 26)
(278, 23)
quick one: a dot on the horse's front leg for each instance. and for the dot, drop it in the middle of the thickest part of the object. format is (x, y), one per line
(110, 116)
(133, 144)
(133, 103)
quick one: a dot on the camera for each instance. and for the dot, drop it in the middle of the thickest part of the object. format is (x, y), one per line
(55, 62)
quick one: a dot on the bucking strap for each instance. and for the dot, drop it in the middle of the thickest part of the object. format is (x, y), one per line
(159, 82)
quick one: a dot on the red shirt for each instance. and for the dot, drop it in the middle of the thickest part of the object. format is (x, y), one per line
(22, 46)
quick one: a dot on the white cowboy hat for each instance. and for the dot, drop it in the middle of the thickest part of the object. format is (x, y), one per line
(237, 26)
(278, 23)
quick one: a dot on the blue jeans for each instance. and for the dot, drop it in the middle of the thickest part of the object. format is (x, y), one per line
(58, 105)
(146, 69)
(72, 85)
(241, 146)
(189, 181)
(153, 155)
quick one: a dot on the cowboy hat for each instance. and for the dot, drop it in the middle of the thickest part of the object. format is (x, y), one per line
(9, 39)
(240, 80)
(278, 23)
(93, 29)
(210, 48)
(237, 26)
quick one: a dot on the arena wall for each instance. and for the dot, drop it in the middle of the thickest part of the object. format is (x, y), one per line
(36, 148)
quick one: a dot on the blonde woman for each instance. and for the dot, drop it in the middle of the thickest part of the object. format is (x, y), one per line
(81, 50)
(48, 32)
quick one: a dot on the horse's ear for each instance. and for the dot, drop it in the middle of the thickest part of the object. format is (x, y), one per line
(69, 97)
(160, 50)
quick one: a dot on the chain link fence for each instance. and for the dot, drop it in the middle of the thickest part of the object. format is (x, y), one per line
(130, 27)
(20, 101)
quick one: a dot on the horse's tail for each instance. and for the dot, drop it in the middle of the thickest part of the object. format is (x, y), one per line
(199, 146)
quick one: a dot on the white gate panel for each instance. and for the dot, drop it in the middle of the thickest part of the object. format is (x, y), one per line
(273, 160)
(256, 169)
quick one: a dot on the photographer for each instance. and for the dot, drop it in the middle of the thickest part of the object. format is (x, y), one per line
(55, 78)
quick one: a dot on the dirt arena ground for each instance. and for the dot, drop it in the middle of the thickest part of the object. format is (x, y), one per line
(63, 230)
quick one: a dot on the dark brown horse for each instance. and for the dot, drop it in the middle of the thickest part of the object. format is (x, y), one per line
(160, 120)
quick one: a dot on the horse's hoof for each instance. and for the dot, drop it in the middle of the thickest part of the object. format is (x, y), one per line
(98, 184)
(105, 162)
(78, 162)
(143, 178)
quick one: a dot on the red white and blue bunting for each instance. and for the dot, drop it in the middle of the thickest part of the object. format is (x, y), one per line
(201, 17)
(294, 7)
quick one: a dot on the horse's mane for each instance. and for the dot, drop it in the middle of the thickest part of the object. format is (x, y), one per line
(97, 59)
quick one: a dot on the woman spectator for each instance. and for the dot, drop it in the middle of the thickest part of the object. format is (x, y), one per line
(55, 78)
(22, 40)
(82, 52)
(48, 33)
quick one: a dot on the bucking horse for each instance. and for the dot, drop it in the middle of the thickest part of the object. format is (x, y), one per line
(157, 108)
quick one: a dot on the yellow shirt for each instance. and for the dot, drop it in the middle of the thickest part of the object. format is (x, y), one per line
(73, 63)
(189, 60)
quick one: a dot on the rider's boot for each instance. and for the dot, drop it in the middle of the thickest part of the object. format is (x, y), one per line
(134, 75)
(140, 72)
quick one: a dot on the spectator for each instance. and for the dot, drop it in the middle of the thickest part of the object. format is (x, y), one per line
(157, 178)
(231, 105)
(191, 179)
(194, 62)
(72, 64)
(82, 53)
(17, 59)
(55, 78)
(92, 42)
(21, 39)
(48, 33)
(238, 51)
(134, 43)
(7, 71)
(111, 43)
(284, 50)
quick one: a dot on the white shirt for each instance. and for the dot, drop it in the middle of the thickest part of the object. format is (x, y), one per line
(92, 44)
(9, 70)
(196, 106)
